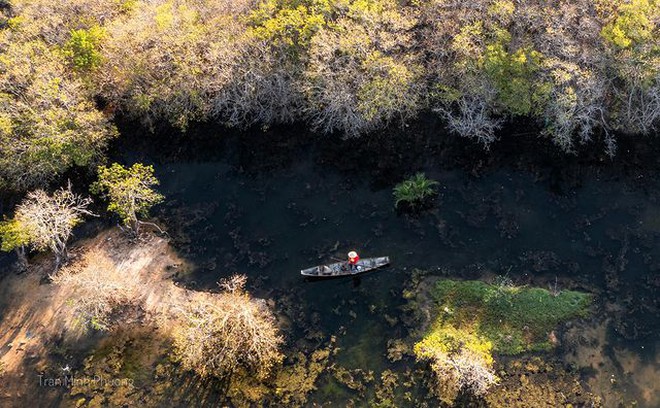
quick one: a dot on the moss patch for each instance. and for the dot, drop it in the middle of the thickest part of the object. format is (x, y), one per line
(513, 319)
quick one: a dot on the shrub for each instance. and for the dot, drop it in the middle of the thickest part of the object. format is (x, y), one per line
(101, 289)
(83, 48)
(460, 360)
(415, 191)
(220, 333)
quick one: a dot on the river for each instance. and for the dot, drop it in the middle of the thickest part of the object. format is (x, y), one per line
(267, 207)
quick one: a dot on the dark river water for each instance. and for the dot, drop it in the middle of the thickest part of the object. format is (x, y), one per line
(269, 211)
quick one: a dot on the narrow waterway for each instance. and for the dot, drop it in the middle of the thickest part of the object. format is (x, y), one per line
(268, 213)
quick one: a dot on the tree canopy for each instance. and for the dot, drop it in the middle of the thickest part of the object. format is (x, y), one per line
(582, 70)
(45, 221)
(129, 191)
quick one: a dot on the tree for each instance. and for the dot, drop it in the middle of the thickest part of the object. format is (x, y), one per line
(290, 23)
(220, 333)
(262, 89)
(169, 60)
(53, 21)
(48, 122)
(129, 191)
(46, 222)
(632, 42)
(632, 23)
(101, 289)
(363, 73)
(576, 106)
(470, 115)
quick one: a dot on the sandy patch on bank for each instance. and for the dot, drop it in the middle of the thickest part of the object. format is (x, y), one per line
(37, 319)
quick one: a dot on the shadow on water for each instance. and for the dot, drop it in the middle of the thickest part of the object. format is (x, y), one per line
(269, 203)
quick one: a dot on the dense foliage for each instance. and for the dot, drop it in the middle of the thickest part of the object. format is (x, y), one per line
(581, 69)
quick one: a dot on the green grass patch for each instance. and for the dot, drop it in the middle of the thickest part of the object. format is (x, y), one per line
(513, 319)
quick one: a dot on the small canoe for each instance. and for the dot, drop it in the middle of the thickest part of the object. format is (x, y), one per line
(342, 269)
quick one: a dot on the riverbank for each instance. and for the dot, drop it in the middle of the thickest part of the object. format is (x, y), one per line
(47, 340)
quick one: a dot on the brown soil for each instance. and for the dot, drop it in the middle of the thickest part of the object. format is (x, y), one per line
(40, 335)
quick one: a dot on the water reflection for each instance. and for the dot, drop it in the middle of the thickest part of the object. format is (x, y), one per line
(251, 213)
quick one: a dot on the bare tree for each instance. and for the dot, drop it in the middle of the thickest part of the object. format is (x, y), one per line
(261, 88)
(472, 372)
(48, 220)
(461, 370)
(640, 102)
(101, 288)
(471, 116)
(221, 332)
(576, 106)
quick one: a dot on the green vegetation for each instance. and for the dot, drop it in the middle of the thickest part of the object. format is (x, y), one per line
(14, 235)
(49, 122)
(83, 48)
(514, 319)
(448, 339)
(512, 73)
(415, 191)
(129, 191)
(290, 23)
(345, 66)
(632, 23)
(474, 319)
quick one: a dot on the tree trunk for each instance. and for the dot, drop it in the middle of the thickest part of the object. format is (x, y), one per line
(61, 255)
(136, 225)
(22, 258)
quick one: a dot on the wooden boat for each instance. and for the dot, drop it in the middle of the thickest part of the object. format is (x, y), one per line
(342, 269)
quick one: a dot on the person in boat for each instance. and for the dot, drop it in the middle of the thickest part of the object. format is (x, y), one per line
(353, 259)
